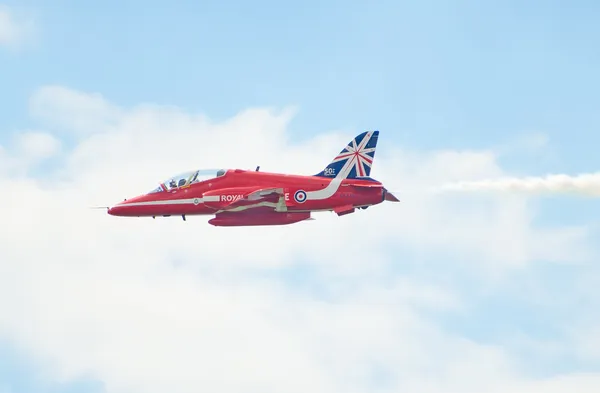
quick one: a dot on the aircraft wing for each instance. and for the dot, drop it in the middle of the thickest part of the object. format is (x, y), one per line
(264, 193)
(241, 199)
(264, 197)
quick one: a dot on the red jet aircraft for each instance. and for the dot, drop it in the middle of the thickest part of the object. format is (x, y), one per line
(242, 198)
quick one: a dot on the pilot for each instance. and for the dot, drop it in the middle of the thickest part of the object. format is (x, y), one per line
(172, 184)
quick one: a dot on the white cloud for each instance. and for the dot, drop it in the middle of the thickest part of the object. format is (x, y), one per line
(14, 29)
(580, 383)
(71, 111)
(35, 145)
(165, 305)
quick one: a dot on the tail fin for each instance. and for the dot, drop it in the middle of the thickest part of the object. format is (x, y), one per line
(355, 160)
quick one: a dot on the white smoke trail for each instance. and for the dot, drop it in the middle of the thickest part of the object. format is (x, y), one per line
(585, 185)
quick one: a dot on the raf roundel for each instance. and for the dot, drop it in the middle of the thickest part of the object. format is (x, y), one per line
(300, 196)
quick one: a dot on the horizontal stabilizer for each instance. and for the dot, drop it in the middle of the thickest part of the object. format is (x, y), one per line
(343, 210)
(390, 197)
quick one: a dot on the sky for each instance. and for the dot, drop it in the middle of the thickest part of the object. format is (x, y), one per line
(484, 288)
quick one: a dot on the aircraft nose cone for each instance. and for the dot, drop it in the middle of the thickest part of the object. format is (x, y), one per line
(126, 208)
(117, 210)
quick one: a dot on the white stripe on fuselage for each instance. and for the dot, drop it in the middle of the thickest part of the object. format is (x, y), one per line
(189, 201)
(326, 192)
(333, 185)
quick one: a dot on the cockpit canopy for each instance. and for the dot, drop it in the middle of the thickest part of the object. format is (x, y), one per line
(188, 178)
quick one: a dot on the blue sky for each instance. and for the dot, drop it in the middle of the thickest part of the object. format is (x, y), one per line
(19, 374)
(435, 74)
(428, 74)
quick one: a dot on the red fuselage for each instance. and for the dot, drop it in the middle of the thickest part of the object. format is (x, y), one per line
(227, 197)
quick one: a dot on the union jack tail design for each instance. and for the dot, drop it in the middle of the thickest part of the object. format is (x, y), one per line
(355, 160)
